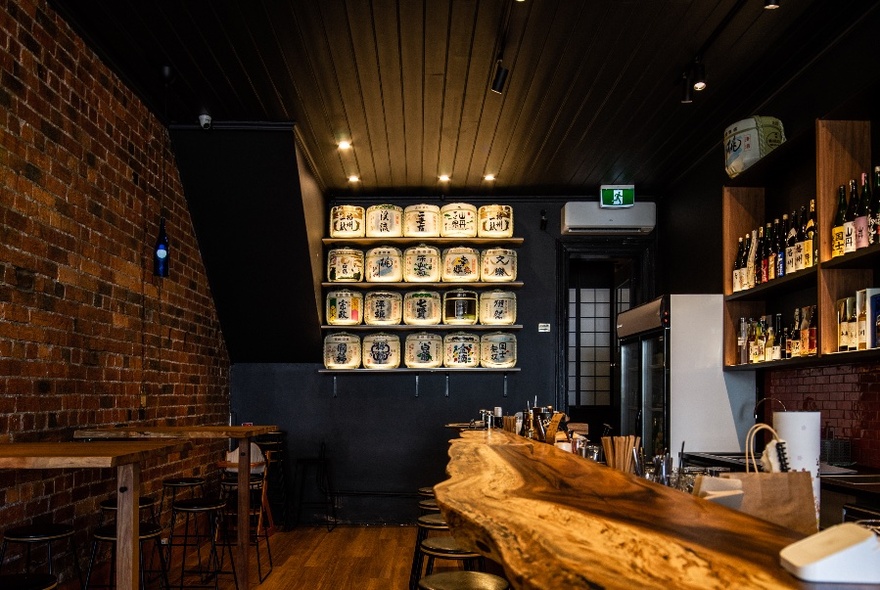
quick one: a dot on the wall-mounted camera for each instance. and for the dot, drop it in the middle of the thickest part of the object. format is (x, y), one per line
(205, 121)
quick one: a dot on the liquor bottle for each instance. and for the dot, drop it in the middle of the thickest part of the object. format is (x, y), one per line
(842, 327)
(749, 281)
(853, 317)
(744, 262)
(769, 343)
(838, 227)
(765, 255)
(805, 332)
(759, 251)
(771, 250)
(750, 342)
(811, 244)
(800, 240)
(849, 226)
(862, 213)
(790, 244)
(160, 252)
(742, 341)
(779, 342)
(863, 327)
(812, 329)
(785, 345)
(758, 344)
(737, 260)
(875, 206)
(780, 247)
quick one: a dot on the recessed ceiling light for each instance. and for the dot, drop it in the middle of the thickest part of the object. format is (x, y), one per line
(344, 145)
(489, 177)
(444, 178)
(353, 178)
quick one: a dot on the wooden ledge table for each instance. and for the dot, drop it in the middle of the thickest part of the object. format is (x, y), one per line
(243, 434)
(126, 457)
(553, 519)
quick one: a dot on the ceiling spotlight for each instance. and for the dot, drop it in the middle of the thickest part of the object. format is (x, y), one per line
(444, 178)
(500, 77)
(699, 75)
(354, 178)
(771, 5)
(686, 86)
(489, 177)
(344, 145)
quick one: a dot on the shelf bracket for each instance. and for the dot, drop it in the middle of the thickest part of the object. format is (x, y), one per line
(505, 385)
(447, 385)
(334, 386)
(417, 385)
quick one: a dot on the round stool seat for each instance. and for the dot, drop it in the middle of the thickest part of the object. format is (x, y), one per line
(183, 482)
(198, 504)
(28, 582)
(429, 505)
(37, 533)
(446, 547)
(143, 502)
(433, 521)
(427, 491)
(146, 531)
(460, 580)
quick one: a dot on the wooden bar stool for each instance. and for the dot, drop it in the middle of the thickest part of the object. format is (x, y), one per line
(28, 582)
(34, 534)
(463, 581)
(448, 548)
(426, 523)
(148, 531)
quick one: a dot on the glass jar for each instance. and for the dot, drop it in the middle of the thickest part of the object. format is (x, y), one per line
(345, 265)
(384, 265)
(344, 308)
(421, 308)
(498, 350)
(347, 221)
(381, 351)
(384, 221)
(459, 220)
(382, 308)
(461, 265)
(421, 264)
(423, 350)
(498, 265)
(460, 307)
(495, 221)
(421, 221)
(342, 351)
(497, 308)
(461, 350)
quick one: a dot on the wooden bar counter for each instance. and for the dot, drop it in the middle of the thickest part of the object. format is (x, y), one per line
(556, 520)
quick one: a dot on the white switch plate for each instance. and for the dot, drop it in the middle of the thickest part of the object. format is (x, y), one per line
(543, 327)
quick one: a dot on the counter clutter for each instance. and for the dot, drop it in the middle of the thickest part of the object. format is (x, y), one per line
(555, 520)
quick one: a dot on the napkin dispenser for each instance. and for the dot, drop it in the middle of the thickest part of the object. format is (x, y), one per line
(844, 553)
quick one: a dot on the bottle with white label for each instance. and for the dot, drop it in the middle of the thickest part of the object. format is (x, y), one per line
(849, 225)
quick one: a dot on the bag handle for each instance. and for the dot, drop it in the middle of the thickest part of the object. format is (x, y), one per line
(750, 444)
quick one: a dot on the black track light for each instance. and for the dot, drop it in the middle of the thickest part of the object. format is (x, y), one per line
(686, 89)
(699, 75)
(500, 77)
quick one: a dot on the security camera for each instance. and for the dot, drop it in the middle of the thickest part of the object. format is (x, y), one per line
(205, 121)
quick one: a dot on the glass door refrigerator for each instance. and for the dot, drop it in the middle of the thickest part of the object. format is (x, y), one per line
(673, 388)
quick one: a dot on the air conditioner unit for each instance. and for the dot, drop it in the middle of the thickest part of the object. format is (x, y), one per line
(587, 217)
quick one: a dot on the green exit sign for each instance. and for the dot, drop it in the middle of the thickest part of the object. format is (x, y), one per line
(617, 195)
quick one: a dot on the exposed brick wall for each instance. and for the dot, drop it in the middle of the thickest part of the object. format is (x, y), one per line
(88, 336)
(848, 396)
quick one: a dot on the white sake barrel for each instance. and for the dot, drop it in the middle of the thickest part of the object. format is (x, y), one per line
(384, 221)
(460, 307)
(495, 221)
(345, 265)
(459, 220)
(381, 351)
(498, 265)
(461, 264)
(421, 221)
(498, 350)
(383, 308)
(347, 221)
(342, 351)
(497, 308)
(422, 308)
(344, 308)
(384, 264)
(423, 350)
(421, 264)
(461, 350)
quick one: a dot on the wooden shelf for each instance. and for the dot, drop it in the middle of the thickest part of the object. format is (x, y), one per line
(828, 358)
(409, 241)
(785, 284)
(864, 258)
(409, 327)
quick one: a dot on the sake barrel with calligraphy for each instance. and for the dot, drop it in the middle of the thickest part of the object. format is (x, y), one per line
(460, 307)
(421, 264)
(495, 221)
(421, 221)
(383, 308)
(461, 264)
(342, 351)
(384, 221)
(384, 264)
(423, 350)
(498, 265)
(344, 308)
(347, 221)
(381, 351)
(461, 350)
(458, 220)
(422, 308)
(497, 308)
(345, 265)
(498, 350)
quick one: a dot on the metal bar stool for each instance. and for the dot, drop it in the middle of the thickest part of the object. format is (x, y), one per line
(145, 503)
(426, 523)
(171, 485)
(148, 531)
(463, 581)
(322, 478)
(191, 508)
(428, 505)
(426, 491)
(35, 534)
(448, 548)
(28, 582)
